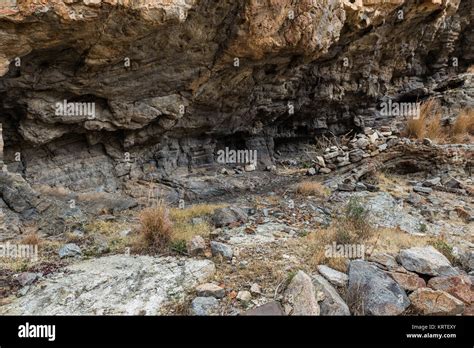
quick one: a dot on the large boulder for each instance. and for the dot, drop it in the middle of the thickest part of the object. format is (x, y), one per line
(374, 291)
(227, 216)
(435, 302)
(113, 285)
(408, 280)
(426, 260)
(332, 304)
(300, 296)
(458, 286)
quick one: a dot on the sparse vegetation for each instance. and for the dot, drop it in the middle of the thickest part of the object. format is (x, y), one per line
(354, 226)
(463, 126)
(444, 248)
(179, 246)
(156, 229)
(31, 239)
(184, 226)
(312, 188)
(429, 125)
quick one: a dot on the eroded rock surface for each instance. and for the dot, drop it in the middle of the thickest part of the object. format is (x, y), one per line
(172, 82)
(119, 284)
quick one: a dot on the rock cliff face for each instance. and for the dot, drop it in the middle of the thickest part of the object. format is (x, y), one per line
(165, 84)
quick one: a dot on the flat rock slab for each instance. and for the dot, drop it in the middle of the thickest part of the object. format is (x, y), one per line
(334, 277)
(111, 285)
(268, 309)
(265, 233)
(458, 286)
(426, 260)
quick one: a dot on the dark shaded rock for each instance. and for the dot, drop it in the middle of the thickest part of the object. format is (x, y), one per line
(375, 291)
(222, 249)
(226, 216)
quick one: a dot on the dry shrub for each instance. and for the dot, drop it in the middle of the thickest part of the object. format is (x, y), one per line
(354, 227)
(463, 126)
(434, 130)
(312, 188)
(440, 243)
(427, 124)
(31, 239)
(156, 229)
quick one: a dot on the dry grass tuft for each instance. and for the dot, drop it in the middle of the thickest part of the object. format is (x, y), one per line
(463, 126)
(156, 229)
(427, 124)
(392, 240)
(312, 188)
(184, 228)
(31, 239)
(441, 244)
(352, 228)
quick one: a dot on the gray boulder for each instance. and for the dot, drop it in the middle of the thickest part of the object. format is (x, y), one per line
(226, 216)
(300, 296)
(332, 304)
(373, 291)
(334, 277)
(70, 250)
(204, 306)
(222, 249)
(426, 260)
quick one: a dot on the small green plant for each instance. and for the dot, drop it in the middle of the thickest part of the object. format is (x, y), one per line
(290, 277)
(444, 248)
(179, 246)
(423, 228)
(355, 225)
(356, 212)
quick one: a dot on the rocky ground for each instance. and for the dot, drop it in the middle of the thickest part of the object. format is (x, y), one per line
(264, 252)
(304, 84)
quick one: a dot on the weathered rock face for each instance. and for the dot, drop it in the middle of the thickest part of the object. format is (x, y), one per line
(111, 285)
(426, 260)
(159, 86)
(435, 302)
(374, 291)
